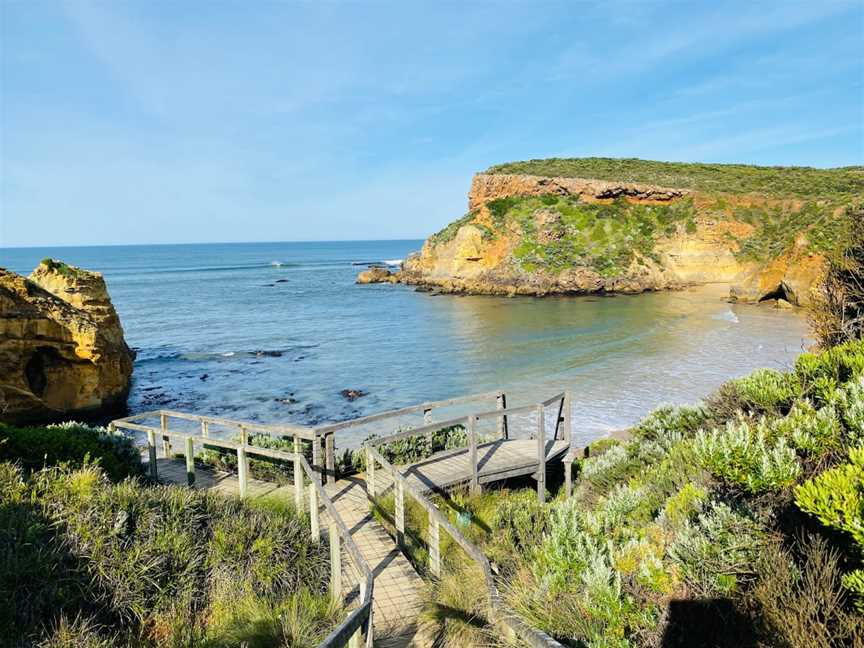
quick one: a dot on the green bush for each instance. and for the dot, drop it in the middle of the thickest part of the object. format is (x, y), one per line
(812, 431)
(685, 421)
(72, 443)
(719, 551)
(741, 453)
(414, 448)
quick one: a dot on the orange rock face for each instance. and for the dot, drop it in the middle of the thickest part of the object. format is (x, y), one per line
(473, 263)
(62, 351)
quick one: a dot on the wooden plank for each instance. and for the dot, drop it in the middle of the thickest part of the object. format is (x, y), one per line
(190, 462)
(335, 565)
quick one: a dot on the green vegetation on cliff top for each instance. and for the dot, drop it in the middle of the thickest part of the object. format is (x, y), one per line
(726, 178)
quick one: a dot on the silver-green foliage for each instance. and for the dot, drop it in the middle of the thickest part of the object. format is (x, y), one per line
(743, 453)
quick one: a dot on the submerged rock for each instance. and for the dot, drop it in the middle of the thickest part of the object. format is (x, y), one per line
(352, 394)
(62, 350)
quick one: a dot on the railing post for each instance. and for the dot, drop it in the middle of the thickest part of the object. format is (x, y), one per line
(190, 461)
(472, 450)
(151, 453)
(166, 441)
(356, 640)
(205, 428)
(541, 454)
(316, 457)
(330, 456)
(242, 470)
(568, 416)
(501, 403)
(335, 564)
(313, 513)
(298, 476)
(434, 546)
(400, 512)
(370, 473)
(568, 477)
(427, 420)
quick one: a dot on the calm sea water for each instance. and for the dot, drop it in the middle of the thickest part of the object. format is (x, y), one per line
(275, 331)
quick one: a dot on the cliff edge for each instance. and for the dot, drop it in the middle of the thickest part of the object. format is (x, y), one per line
(599, 225)
(62, 350)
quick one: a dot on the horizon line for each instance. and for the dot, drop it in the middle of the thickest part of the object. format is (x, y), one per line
(96, 245)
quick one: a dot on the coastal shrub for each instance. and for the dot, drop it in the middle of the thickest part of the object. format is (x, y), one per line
(266, 468)
(804, 605)
(70, 443)
(681, 507)
(742, 454)
(836, 498)
(837, 306)
(820, 374)
(767, 391)
(666, 420)
(157, 565)
(719, 551)
(812, 431)
(414, 448)
(520, 521)
(850, 404)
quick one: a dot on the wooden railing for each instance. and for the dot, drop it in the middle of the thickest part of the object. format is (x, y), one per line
(562, 431)
(510, 625)
(359, 621)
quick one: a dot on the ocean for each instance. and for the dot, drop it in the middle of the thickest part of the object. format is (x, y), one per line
(273, 332)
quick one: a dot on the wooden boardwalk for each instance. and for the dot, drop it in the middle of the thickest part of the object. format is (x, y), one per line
(397, 593)
(497, 460)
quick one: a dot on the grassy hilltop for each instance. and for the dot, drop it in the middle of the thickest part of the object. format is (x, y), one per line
(802, 182)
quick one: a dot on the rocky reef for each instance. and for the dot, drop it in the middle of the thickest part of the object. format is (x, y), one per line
(765, 231)
(62, 350)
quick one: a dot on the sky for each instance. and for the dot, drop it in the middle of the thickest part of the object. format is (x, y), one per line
(132, 122)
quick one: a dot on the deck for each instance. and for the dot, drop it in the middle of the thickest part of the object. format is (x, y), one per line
(497, 460)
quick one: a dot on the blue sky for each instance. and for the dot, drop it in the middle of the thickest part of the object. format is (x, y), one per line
(161, 122)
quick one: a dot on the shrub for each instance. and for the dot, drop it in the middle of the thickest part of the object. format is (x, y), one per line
(836, 498)
(810, 430)
(767, 391)
(521, 520)
(683, 505)
(837, 308)
(669, 420)
(71, 443)
(850, 403)
(803, 606)
(415, 448)
(740, 453)
(719, 551)
(820, 374)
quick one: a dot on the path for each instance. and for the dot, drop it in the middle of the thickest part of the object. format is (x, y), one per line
(396, 597)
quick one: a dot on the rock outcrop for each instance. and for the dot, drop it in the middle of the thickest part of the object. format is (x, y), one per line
(62, 351)
(376, 275)
(489, 251)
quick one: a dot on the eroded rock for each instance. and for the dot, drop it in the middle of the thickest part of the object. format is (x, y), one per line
(62, 350)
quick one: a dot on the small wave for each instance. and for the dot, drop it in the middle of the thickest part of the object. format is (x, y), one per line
(394, 262)
(726, 316)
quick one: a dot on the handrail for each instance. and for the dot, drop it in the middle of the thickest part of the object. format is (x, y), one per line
(328, 428)
(512, 625)
(359, 621)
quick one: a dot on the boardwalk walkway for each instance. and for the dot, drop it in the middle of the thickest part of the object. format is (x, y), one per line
(396, 597)
(496, 461)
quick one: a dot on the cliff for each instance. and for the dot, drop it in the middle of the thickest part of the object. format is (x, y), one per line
(62, 350)
(634, 225)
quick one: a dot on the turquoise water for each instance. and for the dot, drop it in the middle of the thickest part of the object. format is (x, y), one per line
(275, 331)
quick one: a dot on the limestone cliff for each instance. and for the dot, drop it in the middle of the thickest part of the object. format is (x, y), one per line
(62, 350)
(536, 235)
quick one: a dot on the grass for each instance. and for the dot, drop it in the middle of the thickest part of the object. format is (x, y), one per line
(803, 182)
(89, 562)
